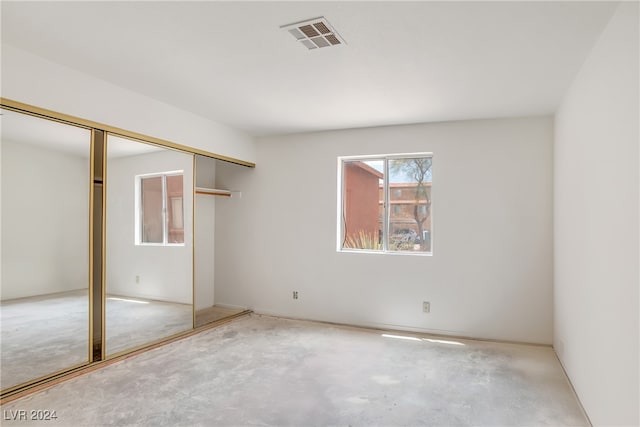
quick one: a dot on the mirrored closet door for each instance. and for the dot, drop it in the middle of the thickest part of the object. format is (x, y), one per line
(149, 244)
(44, 301)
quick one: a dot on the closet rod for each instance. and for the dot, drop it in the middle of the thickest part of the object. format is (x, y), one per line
(213, 192)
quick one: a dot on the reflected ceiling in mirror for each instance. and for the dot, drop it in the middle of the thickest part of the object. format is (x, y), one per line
(27, 129)
(123, 147)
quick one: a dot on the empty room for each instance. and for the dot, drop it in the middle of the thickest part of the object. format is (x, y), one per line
(310, 213)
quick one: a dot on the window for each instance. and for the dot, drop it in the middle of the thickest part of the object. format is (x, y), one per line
(160, 209)
(385, 203)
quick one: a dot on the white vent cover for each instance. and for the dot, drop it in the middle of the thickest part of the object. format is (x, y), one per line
(314, 33)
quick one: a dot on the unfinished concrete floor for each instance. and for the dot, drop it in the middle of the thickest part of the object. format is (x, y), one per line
(266, 371)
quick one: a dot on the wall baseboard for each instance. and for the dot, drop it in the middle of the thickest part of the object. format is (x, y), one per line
(573, 389)
(399, 328)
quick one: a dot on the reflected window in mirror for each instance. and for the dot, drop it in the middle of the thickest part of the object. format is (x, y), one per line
(149, 244)
(160, 208)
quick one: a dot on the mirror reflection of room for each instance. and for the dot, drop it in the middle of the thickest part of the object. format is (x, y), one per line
(155, 268)
(149, 243)
(44, 303)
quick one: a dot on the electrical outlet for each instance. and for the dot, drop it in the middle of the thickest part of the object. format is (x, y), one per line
(295, 294)
(137, 279)
(426, 306)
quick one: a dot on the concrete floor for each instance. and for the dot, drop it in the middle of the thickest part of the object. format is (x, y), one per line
(266, 371)
(44, 334)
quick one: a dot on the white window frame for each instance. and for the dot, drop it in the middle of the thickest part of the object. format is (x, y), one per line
(139, 218)
(386, 204)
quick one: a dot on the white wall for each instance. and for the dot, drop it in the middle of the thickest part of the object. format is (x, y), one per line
(491, 272)
(596, 220)
(45, 225)
(33, 80)
(204, 226)
(165, 271)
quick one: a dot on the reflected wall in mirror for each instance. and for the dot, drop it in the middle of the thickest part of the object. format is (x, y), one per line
(44, 303)
(149, 243)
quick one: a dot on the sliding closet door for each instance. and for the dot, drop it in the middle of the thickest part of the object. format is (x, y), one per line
(44, 302)
(149, 244)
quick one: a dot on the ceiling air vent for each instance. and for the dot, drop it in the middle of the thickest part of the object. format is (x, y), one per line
(314, 33)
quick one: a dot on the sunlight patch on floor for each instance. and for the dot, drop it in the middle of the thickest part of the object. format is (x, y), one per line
(409, 338)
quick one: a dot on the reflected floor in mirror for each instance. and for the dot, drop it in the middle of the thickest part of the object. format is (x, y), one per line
(133, 321)
(45, 334)
(214, 313)
(42, 335)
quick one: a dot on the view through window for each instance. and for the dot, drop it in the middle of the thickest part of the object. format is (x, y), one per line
(386, 203)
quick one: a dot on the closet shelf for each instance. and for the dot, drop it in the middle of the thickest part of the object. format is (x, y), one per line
(213, 192)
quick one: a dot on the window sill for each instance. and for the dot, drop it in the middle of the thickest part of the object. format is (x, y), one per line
(160, 244)
(401, 253)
